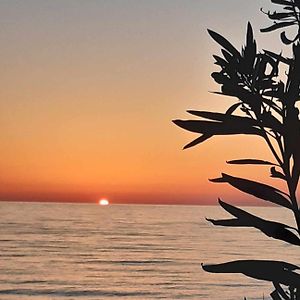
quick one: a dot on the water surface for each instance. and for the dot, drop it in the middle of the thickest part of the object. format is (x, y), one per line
(72, 251)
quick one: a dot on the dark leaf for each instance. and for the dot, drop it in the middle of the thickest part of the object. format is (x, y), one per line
(249, 53)
(250, 162)
(230, 58)
(224, 43)
(197, 141)
(280, 16)
(278, 57)
(232, 108)
(250, 38)
(229, 222)
(283, 2)
(245, 121)
(277, 174)
(290, 8)
(254, 100)
(269, 121)
(219, 77)
(272, 229)
(259, 190)
(274, 271)
(286, 40)
(216, 128)
(278, 25)
(220, 61)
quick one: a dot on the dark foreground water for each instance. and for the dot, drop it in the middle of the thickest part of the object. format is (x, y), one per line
(53, 251)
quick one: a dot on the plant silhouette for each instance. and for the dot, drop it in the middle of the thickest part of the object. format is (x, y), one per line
(267, 86)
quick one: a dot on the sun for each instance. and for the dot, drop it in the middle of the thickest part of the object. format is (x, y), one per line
(103, 202)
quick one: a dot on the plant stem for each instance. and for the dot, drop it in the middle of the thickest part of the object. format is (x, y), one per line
(292, 192)
(280, 162)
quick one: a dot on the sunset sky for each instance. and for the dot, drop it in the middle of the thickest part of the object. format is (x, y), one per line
(89, 89)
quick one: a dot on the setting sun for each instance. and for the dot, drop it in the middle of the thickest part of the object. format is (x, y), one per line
(103, 202)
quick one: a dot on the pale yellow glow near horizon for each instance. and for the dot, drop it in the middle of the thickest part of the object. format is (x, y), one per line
(103, 202)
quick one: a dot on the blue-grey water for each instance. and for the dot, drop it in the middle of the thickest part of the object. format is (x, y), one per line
(72, 251)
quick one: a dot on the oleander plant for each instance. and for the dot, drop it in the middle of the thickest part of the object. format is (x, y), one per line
(267, 88)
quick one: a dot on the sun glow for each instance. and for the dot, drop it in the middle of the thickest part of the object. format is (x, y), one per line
(103, 202)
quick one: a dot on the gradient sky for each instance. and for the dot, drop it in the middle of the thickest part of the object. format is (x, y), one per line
(89, 89)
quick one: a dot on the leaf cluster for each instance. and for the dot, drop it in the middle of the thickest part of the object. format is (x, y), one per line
(266, 107)
(288, 17)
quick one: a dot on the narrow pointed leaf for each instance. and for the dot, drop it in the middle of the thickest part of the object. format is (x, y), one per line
(272, 229)
(237, 265)
(253, 100)
(223, 117)
(232, 108)
(237, 212)
(216, 128)
(219, 77)
(249, 52)
(231, 59)
(227, 222)
(250, 162)
(286, 40)
(280, 16)
(278, 57)
(283, 2)
(259, 190)
(224, 43)
(220, 61)
(249, 34)
(278, 25)
(268, 270)
(197, 141)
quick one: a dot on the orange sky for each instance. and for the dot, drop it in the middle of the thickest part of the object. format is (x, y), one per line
(88, 92)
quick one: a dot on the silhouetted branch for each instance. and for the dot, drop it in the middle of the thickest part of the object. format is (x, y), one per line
(266, 107)
(278, 272)
(270, 228)
(257, 189)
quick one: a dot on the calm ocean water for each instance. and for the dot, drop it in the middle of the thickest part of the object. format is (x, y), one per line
(71, 251)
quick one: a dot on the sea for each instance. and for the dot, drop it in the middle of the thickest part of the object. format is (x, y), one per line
(85, 251)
